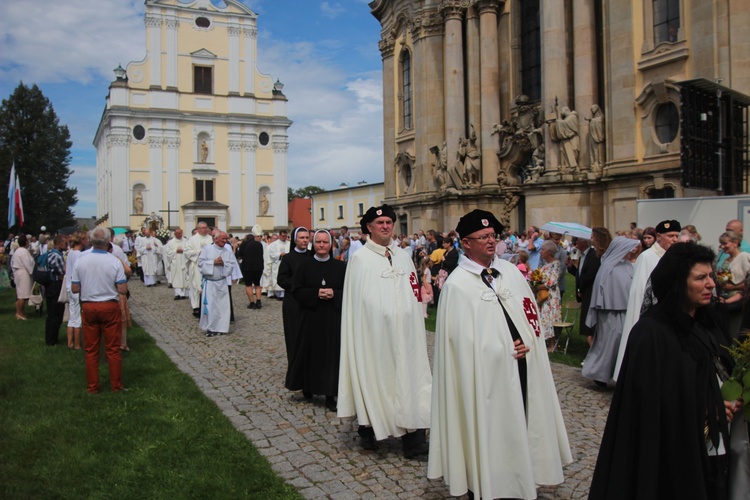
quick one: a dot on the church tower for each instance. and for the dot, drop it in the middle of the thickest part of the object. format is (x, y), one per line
(195, 132)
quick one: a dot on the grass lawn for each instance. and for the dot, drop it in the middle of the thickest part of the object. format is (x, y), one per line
(162, 439)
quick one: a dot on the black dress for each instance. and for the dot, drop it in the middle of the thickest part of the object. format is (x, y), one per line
(315, 367)
(667, 392)
(290, 308)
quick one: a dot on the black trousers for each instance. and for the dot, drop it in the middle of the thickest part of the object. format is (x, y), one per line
(55, 313)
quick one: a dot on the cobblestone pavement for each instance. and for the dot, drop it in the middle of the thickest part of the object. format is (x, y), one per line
(243, 373)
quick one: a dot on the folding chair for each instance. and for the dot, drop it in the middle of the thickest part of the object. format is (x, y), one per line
(567, 324)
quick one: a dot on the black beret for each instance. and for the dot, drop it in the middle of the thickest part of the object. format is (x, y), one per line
(668, 226)
(476, 220)
(375, 212)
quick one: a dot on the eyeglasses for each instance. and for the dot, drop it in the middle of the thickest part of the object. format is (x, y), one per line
(484, 238)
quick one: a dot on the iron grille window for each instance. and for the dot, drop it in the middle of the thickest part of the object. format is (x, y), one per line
(406, 88)
(203, 80)
(714, 137)
(204, 190)
(531, 54)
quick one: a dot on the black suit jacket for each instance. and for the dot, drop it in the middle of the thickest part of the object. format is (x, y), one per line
(584, 286)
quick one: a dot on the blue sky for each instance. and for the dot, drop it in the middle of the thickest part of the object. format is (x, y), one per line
(325, 53)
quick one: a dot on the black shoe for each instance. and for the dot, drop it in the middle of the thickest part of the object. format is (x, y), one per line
(368, 443)
(251, 305)
(197, 313)
(600, 383)
(331, 403)
(307, 394)
(257, 305)
(209, 333)
(176, 297)
(415, 444)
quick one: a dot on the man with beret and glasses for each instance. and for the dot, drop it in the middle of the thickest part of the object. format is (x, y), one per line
(497, 430)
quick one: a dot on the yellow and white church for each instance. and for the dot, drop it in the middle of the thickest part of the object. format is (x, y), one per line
(195, 132)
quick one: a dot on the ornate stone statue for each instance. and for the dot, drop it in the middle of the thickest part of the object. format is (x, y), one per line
(138, 202)
(564, 130)
(536, 169)
(264, 204)
(518, 139)
(596, 139)
(440, 168)
(204, 152)
(471, 176)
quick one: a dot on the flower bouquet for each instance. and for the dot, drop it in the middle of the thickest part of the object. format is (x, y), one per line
(723, 276)
(163, 235)
(737, 386)
(536, 279)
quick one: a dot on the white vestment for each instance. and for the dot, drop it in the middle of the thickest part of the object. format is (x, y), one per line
(215, 310)
(481, 438)
(178, 262)
(384, 372)
(275, 251)
(149, 248)
(644, 265)
(193, 249)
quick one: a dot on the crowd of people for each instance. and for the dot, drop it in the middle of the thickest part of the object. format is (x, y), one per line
(656, 309)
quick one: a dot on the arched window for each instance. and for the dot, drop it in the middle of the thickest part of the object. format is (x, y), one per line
(406, 91)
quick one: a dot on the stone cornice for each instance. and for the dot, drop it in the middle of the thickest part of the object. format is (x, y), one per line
(386, 45)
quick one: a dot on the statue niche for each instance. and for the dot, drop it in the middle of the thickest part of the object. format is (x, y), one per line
(520, 146)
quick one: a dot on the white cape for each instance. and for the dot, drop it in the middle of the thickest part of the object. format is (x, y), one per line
(384, 373)
(480, 437)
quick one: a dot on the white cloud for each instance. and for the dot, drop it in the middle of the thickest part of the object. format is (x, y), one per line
(331, 11)
(75, 40)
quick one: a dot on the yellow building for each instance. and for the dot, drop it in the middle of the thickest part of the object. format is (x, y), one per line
(572, 110)
(345, 205)
(195, 127)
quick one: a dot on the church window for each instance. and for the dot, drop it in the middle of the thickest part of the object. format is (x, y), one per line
(204, 190)
(322, 213)
(341, 211)
(667, 122)
(202, 22)
(666, 20)
(531, 52)
(263, 138)
(139, 132)
(203, 79)
(361, 207)
(406, 92)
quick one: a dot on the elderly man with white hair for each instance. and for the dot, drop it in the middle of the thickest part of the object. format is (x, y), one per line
(216, 263)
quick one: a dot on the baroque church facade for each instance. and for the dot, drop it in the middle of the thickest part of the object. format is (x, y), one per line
(195, 132)
(567, 110)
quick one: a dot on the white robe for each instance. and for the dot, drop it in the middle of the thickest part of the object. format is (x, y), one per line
(215, 310)
(384, 372)
(149, 248)
(178, 262)
(644, 265)
(480, 437)
(275, 251)
(192, 251)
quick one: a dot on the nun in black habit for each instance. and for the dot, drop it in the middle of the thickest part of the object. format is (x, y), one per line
(318, 286)
(667, 431)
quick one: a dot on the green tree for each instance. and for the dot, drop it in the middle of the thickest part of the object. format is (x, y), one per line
(32, 137)
(304, 192)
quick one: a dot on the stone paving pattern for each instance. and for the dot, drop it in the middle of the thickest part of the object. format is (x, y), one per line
(243, 373)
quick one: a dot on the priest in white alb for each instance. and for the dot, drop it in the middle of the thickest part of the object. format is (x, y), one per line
(175, 251)
(216, 263)
(192, 251)
(149, 248)
(497, 430)
(276, 251)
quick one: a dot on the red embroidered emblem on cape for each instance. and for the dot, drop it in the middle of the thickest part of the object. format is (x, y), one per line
(532, 317)
(414, 282)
